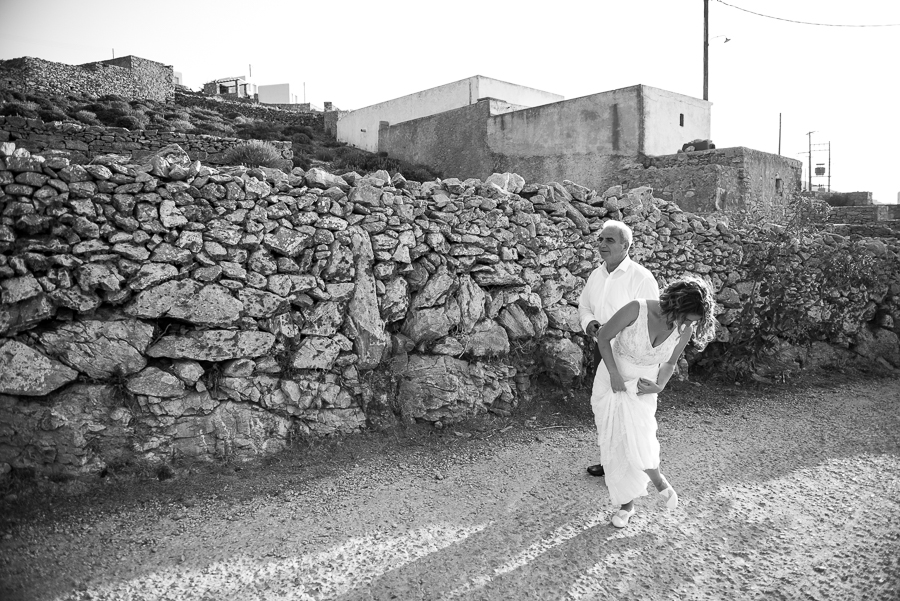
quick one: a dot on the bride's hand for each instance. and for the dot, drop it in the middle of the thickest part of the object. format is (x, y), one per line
(616, 383)
(646, 386)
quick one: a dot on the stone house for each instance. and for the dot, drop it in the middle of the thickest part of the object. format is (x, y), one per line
(230, 87)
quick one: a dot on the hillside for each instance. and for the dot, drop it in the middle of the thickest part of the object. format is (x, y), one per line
(198, 114)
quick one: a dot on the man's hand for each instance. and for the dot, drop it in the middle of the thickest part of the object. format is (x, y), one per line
(592, 329)
(646, 386)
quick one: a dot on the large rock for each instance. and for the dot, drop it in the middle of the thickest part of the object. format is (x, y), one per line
(880, 343)
(324, 320)
(319, 178)
(213, 345)
(488, 339)
(444, 388)
(261, 304)
(19, 289)
(101, 349)
(516, 322)
(152, 274)
(28, 313)
(501, 274)
(315, 352)
(471, 299)
(370, 338)
(239, 429)
(155, 382)
(427, 325)
(98, 275)
(76, 299)
(563, 317)
(170, 215)
(290, 242)
(439, 287)
(24, 371)
(395, 300)
(210, 305)
(563, 359)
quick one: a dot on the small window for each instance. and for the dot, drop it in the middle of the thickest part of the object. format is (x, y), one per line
(779, 186)
(681, 119)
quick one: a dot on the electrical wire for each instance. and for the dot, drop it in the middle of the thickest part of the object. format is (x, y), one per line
(806, 22)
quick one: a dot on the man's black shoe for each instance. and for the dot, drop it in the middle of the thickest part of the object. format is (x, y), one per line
(596, 470)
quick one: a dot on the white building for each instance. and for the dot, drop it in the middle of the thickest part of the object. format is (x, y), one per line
(279, 93)
(360, 127)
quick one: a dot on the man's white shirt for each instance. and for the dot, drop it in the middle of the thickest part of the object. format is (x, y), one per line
(605, 293)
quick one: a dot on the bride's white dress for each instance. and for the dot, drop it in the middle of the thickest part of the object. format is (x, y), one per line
(626, 422)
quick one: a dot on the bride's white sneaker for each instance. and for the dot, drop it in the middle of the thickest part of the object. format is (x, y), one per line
(670, 496)
(620, 519)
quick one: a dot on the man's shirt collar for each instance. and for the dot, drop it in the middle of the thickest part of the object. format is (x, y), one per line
(624, 266)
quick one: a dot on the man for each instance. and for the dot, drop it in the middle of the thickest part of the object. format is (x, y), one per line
(614, 284)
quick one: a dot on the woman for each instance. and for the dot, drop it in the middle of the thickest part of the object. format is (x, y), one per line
(649, 337)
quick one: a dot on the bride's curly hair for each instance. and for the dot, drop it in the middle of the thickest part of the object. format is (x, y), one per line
(686, 295)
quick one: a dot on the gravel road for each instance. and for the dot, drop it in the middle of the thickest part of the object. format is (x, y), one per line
(784, 495)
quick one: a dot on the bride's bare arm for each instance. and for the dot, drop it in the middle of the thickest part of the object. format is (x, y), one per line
(668, 368)
(623, 318)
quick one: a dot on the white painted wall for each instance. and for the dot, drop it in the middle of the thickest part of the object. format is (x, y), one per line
(279, 93)
(663, 133)
(360, 127)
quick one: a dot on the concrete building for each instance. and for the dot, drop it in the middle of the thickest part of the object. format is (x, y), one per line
(279, 93)
(585, 139)
(360, 128)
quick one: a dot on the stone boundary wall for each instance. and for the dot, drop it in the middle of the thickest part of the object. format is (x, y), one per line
(726, 180)
(164, 311)
(295, 107)
(89, 141)
(845, 199)
(129, 77)
(253, 110)
(864, 214)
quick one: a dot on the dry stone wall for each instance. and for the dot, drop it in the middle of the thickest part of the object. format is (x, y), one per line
(84, 142)
(166, 310)
(725, 180)
(129, 77)
(253, 110)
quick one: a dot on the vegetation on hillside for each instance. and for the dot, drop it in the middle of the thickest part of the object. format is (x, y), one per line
(312, 146)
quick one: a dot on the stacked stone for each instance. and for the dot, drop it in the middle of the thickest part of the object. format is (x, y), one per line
(84, 142)
(28, 74)
(170, 309)
(251, 109)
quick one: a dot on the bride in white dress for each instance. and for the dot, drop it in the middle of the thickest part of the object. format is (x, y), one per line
(640, 346)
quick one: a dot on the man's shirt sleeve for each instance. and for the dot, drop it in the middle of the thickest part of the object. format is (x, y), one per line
(585, 312)
(648, 288)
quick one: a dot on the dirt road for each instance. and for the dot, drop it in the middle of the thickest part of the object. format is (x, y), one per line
(792, 495)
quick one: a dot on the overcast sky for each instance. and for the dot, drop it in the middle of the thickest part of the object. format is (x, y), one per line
(841, 82)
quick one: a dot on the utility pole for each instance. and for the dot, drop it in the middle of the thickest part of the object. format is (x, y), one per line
(705, 49)
(779, 134)
(810, 169)
(829, 165)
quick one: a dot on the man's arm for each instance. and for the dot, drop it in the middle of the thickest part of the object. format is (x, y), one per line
(589, 323)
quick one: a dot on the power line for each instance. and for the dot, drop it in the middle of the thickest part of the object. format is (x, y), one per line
(806, 22)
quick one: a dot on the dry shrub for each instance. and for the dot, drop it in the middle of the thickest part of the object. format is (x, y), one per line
(254, 153)
(86, 117)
